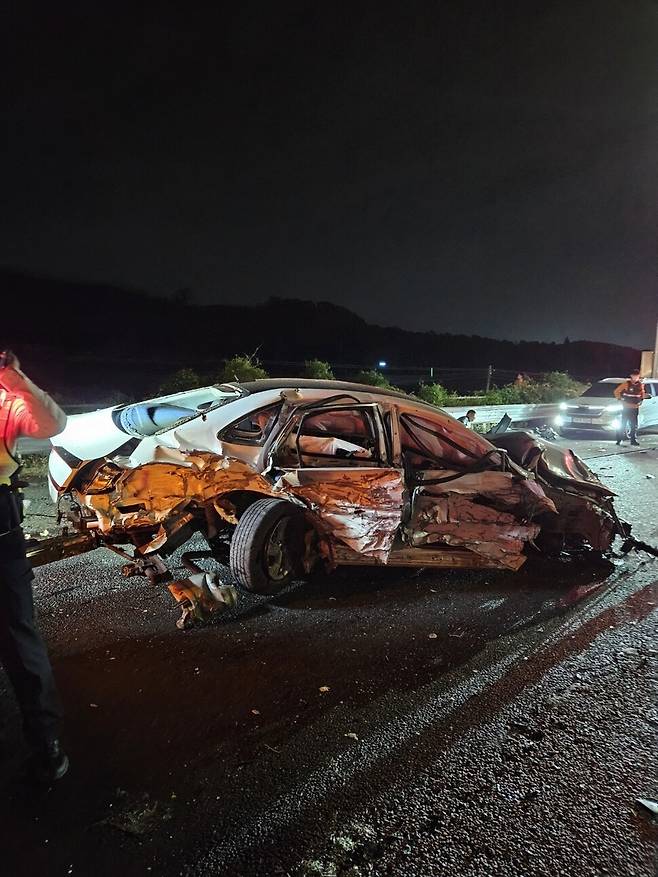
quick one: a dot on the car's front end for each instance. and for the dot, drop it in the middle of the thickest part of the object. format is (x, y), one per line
(597, 410)
(580, 414)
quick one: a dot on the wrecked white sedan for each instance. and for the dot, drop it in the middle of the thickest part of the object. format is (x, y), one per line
(286, 474)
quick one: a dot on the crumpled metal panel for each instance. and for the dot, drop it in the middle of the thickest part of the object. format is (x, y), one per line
(457, 521)
(583, 516)
(152, 493)
(523, 497)
(360, 507)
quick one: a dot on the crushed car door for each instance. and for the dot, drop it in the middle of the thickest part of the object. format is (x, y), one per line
(461, 493)
(335, 459)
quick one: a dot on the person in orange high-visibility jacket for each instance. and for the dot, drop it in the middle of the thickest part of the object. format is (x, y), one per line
(631, 395)
(25, 410)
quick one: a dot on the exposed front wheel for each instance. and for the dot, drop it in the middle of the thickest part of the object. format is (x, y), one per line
(267, 546)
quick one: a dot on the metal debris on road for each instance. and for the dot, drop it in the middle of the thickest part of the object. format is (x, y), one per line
(648, 804)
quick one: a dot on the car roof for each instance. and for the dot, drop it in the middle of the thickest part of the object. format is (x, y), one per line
(309, 384)
(338, 387)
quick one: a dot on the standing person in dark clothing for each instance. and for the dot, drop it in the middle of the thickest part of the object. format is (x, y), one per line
(25, 410)
(631, 395)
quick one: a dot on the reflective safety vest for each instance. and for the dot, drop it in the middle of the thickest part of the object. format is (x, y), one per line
(631, 394)
(9, 464)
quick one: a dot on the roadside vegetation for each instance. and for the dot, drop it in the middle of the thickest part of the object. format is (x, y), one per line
(373, 378)
(550, 387)
(319, 370)
(183, 379)
(246, 367)
(546, 388)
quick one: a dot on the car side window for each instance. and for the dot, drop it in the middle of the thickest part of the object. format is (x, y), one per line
(331, 438)
(253, 428)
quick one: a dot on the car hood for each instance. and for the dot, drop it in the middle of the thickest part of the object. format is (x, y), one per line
(599, 402)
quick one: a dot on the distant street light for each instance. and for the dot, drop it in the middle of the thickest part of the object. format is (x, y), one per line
(382, 363)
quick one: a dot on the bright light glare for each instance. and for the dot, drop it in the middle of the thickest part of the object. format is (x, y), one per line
(563, 406)
(558, 420)
(614, 407)
(382, 363)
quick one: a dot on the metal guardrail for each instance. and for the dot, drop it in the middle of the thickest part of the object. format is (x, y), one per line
(544, 412)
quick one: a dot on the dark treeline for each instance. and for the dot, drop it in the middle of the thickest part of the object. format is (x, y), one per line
(91, 337)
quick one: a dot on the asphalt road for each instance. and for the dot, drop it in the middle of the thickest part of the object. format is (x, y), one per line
(370, 722)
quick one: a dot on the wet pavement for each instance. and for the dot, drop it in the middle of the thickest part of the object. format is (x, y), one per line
(369, 722)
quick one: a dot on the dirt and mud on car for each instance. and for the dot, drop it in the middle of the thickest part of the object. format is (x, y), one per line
(283, 476)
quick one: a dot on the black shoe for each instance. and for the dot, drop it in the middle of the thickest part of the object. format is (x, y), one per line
(618, 442)
(636, 444)
(49, 763)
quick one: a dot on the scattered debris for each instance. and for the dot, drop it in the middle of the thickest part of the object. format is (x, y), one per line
(649, 476)
(200, 596)
(324, 689)
(648, 804)
(351, 735)
(255, 712)
(272, 749)
(432, 636)
(546, 432)
(136, 818)
(525, 730)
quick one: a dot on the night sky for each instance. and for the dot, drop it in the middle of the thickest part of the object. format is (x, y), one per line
(485, 168)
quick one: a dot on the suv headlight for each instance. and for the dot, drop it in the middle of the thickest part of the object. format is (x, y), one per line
(563, 406)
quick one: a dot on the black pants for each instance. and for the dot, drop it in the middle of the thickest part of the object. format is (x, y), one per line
(22, 651)
(628, 424)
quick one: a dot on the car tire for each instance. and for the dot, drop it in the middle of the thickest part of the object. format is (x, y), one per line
(267, 546)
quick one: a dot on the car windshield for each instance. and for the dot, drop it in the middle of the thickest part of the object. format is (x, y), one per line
(148, 418)
(602, 390)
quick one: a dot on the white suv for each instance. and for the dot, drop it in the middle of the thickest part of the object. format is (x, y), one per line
(597, 409)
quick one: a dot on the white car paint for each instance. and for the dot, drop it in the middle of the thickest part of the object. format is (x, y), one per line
(602, 412)
(95, 435)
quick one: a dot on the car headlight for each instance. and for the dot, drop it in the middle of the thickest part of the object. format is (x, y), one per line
(563, 406)
(614, 407)
(616, 423)
(558, 420)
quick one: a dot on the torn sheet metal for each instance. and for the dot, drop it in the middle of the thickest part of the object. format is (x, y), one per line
(359, 507)
(201, 596)
(380, 472)
(457, 521)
